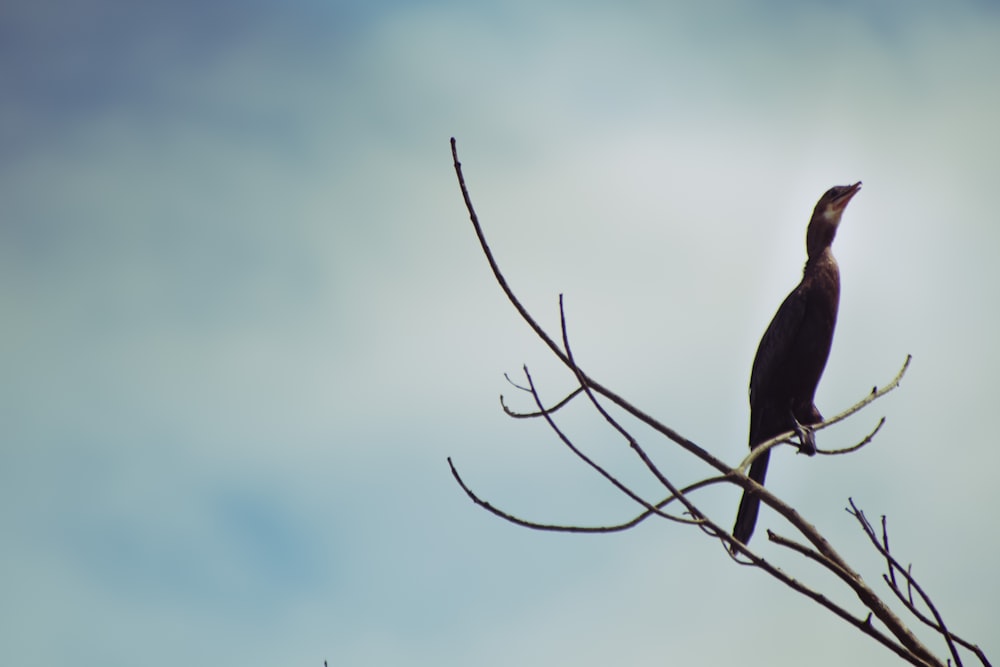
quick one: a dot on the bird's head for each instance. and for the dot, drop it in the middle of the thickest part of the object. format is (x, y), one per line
(826, 216)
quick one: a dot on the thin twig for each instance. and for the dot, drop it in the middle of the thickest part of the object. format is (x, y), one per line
(788, 437)
(650, 421)
(526, 415)
(864, 625)
(557, 528)
(632, 442)
(847, 450)
(892, 565)
(872, 397)
(563, 528)
(806, 551)
(590, 462)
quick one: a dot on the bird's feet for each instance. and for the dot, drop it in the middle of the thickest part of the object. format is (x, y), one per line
(807, 438)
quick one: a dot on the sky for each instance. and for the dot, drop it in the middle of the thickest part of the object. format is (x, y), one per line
(246, 320)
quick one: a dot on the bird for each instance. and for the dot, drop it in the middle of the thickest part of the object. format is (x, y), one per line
(793, 351)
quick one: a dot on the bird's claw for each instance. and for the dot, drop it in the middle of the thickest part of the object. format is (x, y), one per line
(807, 438)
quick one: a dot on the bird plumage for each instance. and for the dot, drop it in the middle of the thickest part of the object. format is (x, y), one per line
(794, 349)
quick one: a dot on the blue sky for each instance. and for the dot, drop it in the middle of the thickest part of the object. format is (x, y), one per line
(246, 320)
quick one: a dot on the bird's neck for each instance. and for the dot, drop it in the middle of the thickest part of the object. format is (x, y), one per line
(820, 234)
(822, 264)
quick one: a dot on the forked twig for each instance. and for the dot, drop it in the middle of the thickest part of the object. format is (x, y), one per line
(526, 415)
(893, 566)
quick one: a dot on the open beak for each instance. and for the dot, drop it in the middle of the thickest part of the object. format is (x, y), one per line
(840, 202)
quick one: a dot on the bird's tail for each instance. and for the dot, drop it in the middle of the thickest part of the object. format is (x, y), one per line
(746, 517)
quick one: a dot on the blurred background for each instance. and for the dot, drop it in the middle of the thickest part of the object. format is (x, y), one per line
(245, 321)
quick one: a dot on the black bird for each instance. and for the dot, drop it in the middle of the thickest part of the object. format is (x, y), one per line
(793, 352)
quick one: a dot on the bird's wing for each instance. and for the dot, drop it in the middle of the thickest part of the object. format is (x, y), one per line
(777, 343)
(775, 349)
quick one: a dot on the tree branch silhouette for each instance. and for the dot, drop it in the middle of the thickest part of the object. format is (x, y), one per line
(890, 630)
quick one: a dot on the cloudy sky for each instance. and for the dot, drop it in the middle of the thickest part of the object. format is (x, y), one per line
(245, 321)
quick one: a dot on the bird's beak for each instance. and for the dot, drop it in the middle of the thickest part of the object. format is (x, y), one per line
(840, 202)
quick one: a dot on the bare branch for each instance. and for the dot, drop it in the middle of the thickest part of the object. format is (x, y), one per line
(562, 528)
(875, 394)
(788, 437)
(526, 415)
(551, 344)
(633, 443)
(847, 450)
(806, 551)
(893, 566)
(485, 504)
(590, 462)
(864, 625)
(895, 635)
